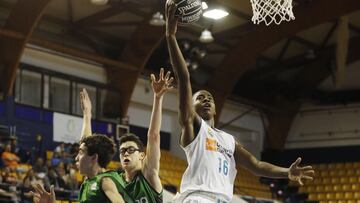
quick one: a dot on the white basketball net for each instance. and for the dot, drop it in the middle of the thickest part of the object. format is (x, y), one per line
(271, 11)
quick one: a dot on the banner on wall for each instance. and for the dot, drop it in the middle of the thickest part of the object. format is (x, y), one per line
(66, 128)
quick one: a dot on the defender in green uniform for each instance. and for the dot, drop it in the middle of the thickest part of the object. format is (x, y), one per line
(140, 177)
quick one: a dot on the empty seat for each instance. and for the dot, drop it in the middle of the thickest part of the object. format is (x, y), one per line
(339, 195)
(320, 188)
(330, 196)
(357, 195)
(331, 166)
(350, 172)
(346, 187)
(353, 179)
(339, 165)
(337, 188)
(328, 188)
(349, 195)
(344, 180)
(324, 173)
(320, 196)
(334, 181)
(355, 187)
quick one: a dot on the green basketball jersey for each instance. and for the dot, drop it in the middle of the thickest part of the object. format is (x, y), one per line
(139, 189)
(91, 191)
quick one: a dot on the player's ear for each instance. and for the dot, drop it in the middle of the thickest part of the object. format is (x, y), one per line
(142, 155)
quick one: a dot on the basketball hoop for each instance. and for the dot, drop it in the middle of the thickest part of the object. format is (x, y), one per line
(271, 11)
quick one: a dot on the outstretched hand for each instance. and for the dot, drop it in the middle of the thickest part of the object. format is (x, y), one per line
(42, 196)
(85, 102)
(163, 84)
(171, 20)
(297, 173)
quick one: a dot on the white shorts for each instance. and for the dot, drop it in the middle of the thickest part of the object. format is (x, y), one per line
(199, 197)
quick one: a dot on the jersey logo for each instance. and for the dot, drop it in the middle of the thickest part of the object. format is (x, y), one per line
(211, 144)
(93, 186)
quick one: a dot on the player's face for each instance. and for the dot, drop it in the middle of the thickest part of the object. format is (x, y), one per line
(130, 156)
(84, 162)
(204, 104)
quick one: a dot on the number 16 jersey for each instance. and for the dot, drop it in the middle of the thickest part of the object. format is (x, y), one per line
(211, 164)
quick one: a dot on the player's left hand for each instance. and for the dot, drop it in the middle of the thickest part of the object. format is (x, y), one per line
(162, 85)
(85, 102)
(297, 173)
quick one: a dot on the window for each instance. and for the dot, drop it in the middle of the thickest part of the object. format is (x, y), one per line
(28, 88)
(59, 92)
(59, 95)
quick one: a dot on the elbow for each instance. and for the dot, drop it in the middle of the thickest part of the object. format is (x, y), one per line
(154, 136)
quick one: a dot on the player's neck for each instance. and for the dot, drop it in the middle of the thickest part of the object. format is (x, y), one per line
(210, 122)
(130, 174)
(94, 171)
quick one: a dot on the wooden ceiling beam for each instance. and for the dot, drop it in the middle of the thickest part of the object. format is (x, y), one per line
(12, 35)
(104, 14)
(305, 42)
(284, 49)
(328, 36)
(354, 28)
(23, 19)
(115, 24)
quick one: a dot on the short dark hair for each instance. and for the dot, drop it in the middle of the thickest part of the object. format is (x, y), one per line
(101, 145)
(134, 138)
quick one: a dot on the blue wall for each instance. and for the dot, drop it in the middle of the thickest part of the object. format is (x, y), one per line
(31, 122)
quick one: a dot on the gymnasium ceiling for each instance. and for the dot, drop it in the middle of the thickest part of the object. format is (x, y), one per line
(274, 68)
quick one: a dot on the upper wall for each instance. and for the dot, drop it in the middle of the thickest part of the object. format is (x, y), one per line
(325, 126)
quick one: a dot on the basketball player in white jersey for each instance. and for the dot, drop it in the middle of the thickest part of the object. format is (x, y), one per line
(211, 154)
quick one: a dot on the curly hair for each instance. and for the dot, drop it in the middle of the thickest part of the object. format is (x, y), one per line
(101, 145)
(134, 138)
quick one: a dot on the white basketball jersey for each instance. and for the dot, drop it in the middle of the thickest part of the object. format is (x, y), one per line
(211, 164)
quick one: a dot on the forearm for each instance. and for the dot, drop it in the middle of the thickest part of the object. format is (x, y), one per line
(177, 60)
(156, 116)
(269, 170)
(86, 127)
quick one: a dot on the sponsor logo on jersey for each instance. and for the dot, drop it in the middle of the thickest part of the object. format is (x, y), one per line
(213, 145)
(93, 186)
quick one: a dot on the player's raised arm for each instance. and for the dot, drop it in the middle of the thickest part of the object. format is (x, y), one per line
(86, 109)
(152, 160)
(187, 114)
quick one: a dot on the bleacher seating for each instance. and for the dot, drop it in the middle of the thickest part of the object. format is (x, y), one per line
(334, 183)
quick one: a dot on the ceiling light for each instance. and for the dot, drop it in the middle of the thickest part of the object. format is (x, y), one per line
(215, 14)
(204, 5)
(206, 36)
(157, 19)
(310, 54)
(99, 2)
